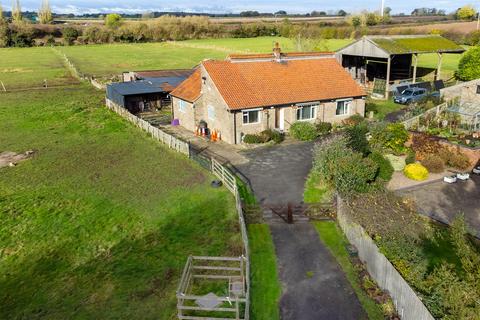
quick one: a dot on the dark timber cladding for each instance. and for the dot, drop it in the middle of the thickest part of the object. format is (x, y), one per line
(392, 57)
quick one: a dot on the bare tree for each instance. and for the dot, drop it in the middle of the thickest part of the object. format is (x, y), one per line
(45, 13)
(16, 11)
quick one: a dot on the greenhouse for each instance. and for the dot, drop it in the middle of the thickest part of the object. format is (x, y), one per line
(468, 113)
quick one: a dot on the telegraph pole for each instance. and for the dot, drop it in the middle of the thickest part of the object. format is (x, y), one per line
(382, 10)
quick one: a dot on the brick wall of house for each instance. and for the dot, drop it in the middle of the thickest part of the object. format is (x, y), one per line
(187, 117)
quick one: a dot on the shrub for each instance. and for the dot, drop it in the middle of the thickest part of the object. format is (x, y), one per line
(433, 163)
(271, 135)
(113, 20)
(342, 168)
(468, 66)
(391, 137)
(398, 163)
(354, 120)
(357, 138)
(385, 168)
(69, 35)
(416, 171)
(304, 131)
(411, 157)
(324, 128)
(253, 138)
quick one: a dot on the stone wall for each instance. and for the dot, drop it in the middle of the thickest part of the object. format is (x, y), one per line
(466, 91)
(186, 117)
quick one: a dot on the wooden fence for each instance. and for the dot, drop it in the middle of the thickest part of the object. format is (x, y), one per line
(228, 178)
(407, 303)
(171, 141)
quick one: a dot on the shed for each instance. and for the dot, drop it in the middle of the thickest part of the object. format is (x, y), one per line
(393, 57)
(146, 93)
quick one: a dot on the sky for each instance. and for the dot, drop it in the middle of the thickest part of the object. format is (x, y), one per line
(232, 6)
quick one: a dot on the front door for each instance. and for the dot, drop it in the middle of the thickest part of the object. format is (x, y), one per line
(280, 119)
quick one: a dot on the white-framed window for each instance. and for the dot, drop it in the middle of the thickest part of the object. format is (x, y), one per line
(307, 112)
(251, 116)
(343, 107)
(182, 106)
(211, 112)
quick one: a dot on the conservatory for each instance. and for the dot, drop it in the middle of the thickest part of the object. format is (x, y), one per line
(468, 114)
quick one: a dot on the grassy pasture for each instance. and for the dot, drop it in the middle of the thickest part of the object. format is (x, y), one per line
(99, 223)
(29, 67)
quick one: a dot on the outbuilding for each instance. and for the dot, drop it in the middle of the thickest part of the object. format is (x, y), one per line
(392, 58)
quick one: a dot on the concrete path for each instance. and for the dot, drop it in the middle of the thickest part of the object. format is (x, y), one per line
(314, 286)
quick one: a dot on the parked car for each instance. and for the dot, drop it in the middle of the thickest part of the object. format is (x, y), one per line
(412, 95)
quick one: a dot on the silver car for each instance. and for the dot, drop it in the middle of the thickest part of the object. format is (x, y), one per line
(411, 95)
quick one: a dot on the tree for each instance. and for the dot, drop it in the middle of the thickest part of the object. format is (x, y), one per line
(1, 12)
(342, 13)
(148, 15)
(356, 21)
(372, 18)
(466, 13)
(468, 66)
(16, 11)
(45, 13)
(3, 30)
(281, 13)
(113, 20)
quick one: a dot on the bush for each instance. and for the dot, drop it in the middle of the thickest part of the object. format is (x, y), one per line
(385, 168)
(389, 137)
(271, 135)
(342, 168)
(253, 138)
(304, 131)
(324, 128)
(354, 120)
(69, 35)
(411, 156)
(433, 163)
(453, 159)
(468, 66)
(416, 171)
(357, 138)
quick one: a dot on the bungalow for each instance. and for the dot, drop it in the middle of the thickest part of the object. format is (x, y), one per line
(246, 94)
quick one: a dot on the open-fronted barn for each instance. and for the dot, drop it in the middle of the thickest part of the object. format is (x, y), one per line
(393, 58)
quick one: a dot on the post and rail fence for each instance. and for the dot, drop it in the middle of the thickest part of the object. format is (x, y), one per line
(224, 174)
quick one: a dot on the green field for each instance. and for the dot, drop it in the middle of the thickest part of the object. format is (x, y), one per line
(99, 223)
(29, 67)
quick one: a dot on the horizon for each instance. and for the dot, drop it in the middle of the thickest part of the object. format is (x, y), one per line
(80, 7)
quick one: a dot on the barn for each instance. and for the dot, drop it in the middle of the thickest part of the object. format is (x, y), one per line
(392, 58)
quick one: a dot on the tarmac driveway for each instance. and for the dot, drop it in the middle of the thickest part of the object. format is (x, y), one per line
(443, 201)
(278, 173)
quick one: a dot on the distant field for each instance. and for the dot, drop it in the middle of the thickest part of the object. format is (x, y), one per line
(99, 223)
(112, 59)
(29, 67)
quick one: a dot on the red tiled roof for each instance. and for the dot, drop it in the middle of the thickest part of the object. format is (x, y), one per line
(189, 90)
(270, 83)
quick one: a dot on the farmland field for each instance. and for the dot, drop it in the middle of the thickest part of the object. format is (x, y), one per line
(109, 60)
(29, 67)
(99, 223)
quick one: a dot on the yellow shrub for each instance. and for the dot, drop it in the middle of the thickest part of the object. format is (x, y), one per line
(416, 171)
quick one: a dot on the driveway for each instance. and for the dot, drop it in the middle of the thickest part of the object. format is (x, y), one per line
(313, 284)
(278, 173)
(443, 202)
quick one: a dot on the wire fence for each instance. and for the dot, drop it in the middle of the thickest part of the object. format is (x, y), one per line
(228, 178)
(407, 303)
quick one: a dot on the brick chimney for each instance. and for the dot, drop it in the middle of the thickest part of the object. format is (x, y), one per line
(277, 52)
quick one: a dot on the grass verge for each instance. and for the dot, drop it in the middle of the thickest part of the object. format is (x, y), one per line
(316, 191)
(334, 239)
(265, 286)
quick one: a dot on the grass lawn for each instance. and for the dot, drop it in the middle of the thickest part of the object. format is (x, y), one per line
(336, 242)
(99, 223)
(113, 59)
(265, 286)
(29, 67)
(316, 191)
(381, 107)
